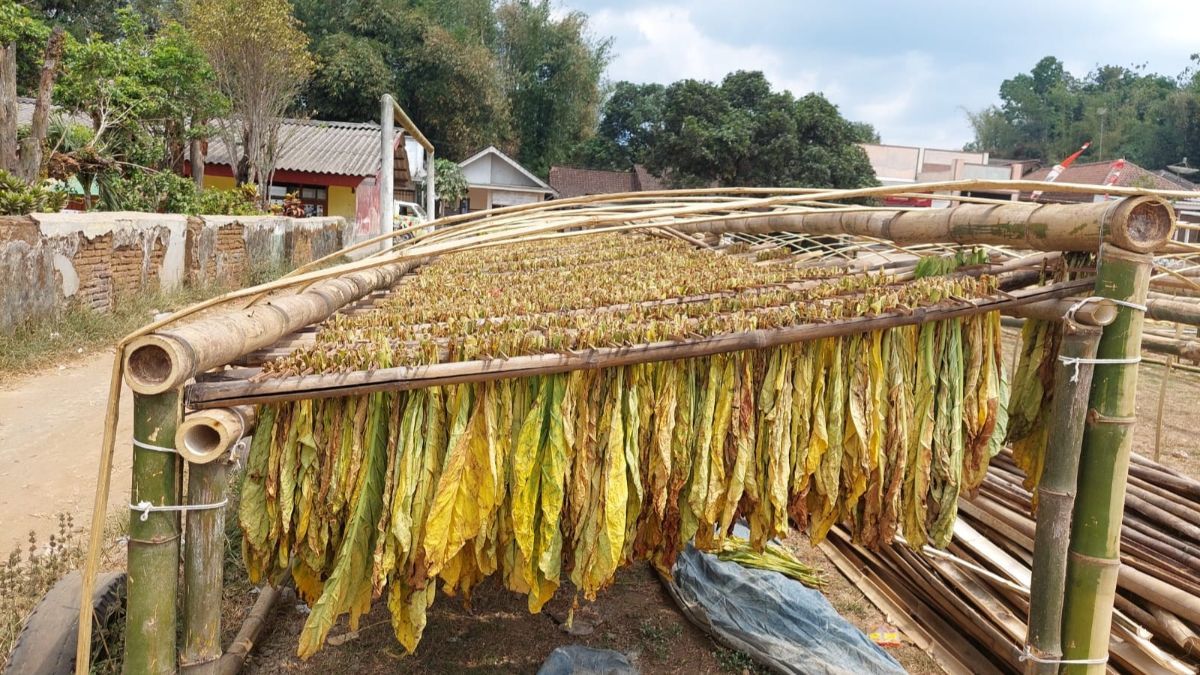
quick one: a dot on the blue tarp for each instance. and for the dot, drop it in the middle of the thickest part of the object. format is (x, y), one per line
(579, 660)
(775, 620)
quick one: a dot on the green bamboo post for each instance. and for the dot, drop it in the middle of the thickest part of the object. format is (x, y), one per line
(1095, 547)
(153, 539)
(203, 569)
(1056, 496)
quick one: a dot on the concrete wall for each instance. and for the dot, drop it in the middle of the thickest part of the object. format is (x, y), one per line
(51, 261)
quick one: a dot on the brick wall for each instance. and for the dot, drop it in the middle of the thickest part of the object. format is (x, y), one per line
(50, 261)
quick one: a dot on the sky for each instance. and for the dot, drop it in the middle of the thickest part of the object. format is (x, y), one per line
(912, 69)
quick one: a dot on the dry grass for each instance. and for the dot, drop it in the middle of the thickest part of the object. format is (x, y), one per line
(79, 331)
(30, 571)
(27, 575)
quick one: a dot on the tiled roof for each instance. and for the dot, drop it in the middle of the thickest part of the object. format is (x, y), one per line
(315, 146)
(1094, 173)
(645, 180)
(572, 182)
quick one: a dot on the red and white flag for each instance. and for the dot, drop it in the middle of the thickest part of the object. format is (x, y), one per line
(1114, 175)
(1061, 167)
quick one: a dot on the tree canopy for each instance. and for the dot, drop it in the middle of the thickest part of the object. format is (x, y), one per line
(738, 132)
(469, 73)
(151, 75)
(1047, 113)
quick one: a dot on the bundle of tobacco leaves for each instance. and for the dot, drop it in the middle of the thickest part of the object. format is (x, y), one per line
(1031, 398)
(569, 476)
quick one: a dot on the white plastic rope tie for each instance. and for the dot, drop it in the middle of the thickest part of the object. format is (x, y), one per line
(1028, 655)
(146, 508)
(149, 446)
(1095, 298)
(1077, 360)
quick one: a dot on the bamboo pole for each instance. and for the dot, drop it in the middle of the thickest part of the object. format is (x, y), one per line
(219, 394)
(153, 563)
(1139, 224)
(208, 434)
(231, 662)
(203, 568)
(167, 358)
(1187, 349)
(1177, 311)
(1089, 313)
(1056, 496)
(1162, 400)
(1094, 562)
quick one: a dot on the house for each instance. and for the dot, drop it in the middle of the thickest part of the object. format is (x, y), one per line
(332, 167)
(904, 165)
(1095, 173)
(572, 182)
(495, 180)
(1127, 174)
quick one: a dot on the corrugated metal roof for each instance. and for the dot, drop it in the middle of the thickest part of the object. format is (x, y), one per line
(316, 146)
(25, 107)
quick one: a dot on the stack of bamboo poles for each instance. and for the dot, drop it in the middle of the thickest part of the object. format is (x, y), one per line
(969, 609)
(159, 359)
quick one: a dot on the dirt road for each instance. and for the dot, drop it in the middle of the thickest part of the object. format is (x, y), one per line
(51, 426)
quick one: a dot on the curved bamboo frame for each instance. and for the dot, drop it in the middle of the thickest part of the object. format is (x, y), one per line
(169, 365)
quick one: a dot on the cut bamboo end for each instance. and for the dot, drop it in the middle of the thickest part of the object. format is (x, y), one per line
(209, 434)
(1140, 224)
(1093, 312)
(156, 363)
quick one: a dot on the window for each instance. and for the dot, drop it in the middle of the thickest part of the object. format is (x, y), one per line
(314, 197)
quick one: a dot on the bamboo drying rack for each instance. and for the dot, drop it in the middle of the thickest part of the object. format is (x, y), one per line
(204, 345)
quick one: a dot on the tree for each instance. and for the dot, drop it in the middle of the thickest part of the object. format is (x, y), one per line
(146, 97)
(261, 61)
(552, 69)
(1047, 113)
(450, 184)
(436, 57)
(743, 133)
(629, 123)
(84, 18)
(18, 30)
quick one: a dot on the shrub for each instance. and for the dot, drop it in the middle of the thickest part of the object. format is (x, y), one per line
(18, 198)
(165, 192)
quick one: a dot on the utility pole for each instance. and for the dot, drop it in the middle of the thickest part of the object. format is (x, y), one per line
(1102, 112)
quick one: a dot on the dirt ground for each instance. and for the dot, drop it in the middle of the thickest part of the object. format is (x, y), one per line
(497, 634)
(51, 426)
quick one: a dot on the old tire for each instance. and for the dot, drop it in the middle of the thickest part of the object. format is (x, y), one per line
(46, 646)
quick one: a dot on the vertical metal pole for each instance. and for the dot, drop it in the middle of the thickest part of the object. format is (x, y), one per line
(387, 167)
(430, 192)
(153, 538)
(203, 569)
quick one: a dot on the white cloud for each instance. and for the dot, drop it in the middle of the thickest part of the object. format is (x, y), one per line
(911, 79)
(664, 43)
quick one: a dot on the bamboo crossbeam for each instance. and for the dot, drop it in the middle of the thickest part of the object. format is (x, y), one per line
(1092, 313)
(169, 357)
(1187, 349)
(218, 394)
(1139, 224)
